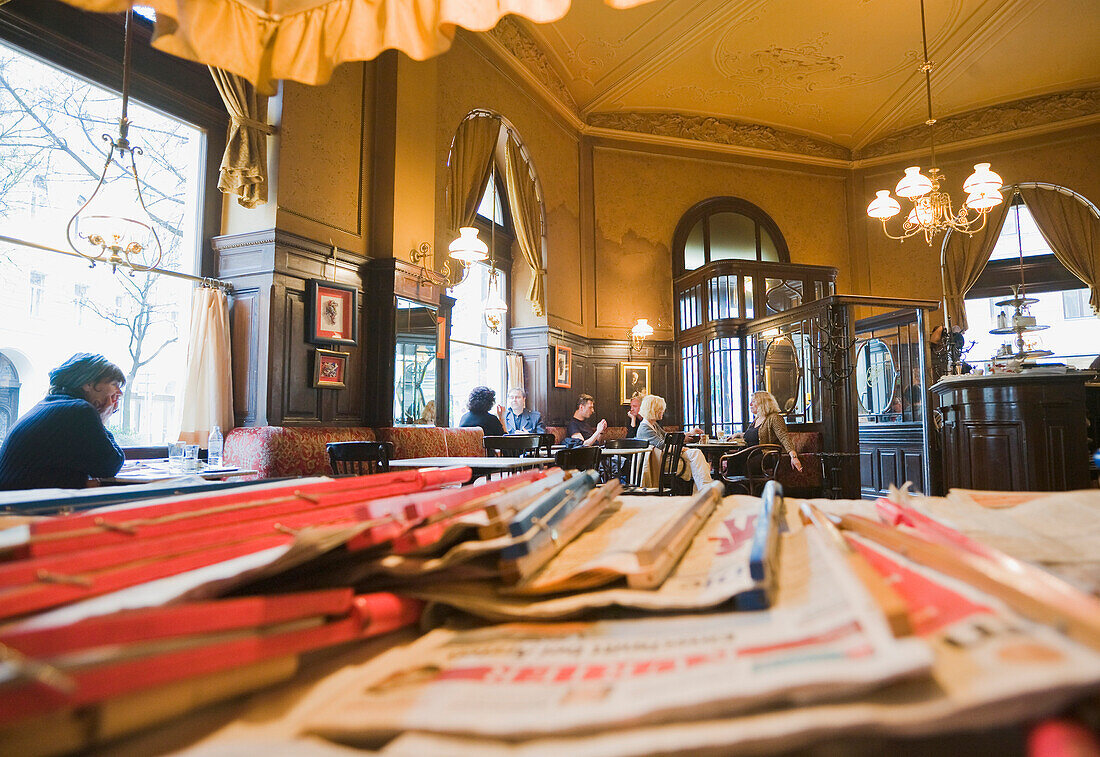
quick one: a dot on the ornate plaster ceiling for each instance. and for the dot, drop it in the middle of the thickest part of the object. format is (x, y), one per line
(833, 78)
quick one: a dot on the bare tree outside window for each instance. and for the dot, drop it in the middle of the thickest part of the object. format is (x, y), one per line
(52, 153)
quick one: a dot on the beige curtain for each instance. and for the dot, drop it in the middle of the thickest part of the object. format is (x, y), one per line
(244, 163)
(304, 40)
(964, 257)
(1072, 231)
(526, 218)
(469, 168)
(515, 371)
(208, 392)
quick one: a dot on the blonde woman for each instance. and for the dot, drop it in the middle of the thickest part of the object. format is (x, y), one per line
(649, 430)
(768, 426)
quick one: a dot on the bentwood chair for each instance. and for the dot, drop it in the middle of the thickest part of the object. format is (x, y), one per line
(669, 482)
(359, 458)
(748, 470)
(628, 468)
(513, 445)
(546, 443)
(577, 458)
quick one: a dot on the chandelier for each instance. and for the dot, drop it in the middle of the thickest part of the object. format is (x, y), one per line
(113, 226)
(932, 211)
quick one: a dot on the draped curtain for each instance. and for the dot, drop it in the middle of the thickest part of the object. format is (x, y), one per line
(304, 40)
(526, 218)
(469, 167)
(208, 391)
(964, 257)
(1072, 231)
(244, 163)
(515, 371)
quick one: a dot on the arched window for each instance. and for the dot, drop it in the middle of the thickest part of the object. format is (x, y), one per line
(726, 228)
(1062, 299)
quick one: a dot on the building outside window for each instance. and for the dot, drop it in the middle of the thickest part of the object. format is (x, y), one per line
(51, 156)
(1063, 300)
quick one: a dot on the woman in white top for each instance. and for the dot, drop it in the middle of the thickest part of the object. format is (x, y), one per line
(652, 410)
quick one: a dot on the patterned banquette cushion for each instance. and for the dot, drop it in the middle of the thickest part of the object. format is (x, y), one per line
(287, 451)
(415, 441)
(809, 481)
(465, 442)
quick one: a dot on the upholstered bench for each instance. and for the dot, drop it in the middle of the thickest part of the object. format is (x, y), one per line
(276, 451)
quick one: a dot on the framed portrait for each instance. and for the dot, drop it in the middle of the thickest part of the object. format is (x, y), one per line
(329, 368)
(332, 313)
(634, 379)
(563, 367)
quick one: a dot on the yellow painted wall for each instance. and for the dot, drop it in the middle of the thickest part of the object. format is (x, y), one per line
(640, 196)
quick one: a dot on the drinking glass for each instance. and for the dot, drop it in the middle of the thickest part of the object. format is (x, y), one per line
(191, 457)
(175, 455)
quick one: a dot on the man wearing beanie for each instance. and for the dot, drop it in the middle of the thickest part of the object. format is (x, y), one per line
(62, 441)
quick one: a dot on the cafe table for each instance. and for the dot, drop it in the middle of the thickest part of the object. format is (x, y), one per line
(480, 466)
(713, 450)
(151, 471)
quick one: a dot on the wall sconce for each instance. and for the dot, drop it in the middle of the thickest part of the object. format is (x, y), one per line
(422, 252)
(639, 332)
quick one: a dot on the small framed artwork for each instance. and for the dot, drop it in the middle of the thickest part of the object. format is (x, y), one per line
(634, 380)
(329, 368)
(331, 313)
(563, 367)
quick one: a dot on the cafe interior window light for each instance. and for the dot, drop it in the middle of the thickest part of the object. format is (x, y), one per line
(51, 155)
(1074, 334)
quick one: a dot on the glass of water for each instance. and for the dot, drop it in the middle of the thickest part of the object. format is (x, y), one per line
(191, 457)
(175, 455)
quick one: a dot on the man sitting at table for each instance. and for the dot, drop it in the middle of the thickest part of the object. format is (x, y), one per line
(579, 428)
(517, 418)
(63, 441)
(633, 416)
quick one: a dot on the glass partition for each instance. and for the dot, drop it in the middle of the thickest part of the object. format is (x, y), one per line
(415, 363)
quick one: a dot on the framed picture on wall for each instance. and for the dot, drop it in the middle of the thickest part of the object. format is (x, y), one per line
(633, 379)
(329, 368)
(332, 312)
(563, 367)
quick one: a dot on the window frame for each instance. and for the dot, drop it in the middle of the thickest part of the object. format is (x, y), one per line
(89, 45)
(703, 210)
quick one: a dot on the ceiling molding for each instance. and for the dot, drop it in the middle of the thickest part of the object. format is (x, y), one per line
(994, 122)
(720, 131)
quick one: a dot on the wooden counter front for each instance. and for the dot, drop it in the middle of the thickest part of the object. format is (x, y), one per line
(1014, 432)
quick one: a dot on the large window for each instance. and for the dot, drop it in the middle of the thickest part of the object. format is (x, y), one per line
(477, 353)
(51, 155)
(1074, 333)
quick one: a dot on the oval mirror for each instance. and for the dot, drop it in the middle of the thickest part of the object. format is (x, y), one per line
(876, 377)
(782, 373)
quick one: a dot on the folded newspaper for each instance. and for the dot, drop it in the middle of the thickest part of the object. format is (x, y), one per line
(824, 639)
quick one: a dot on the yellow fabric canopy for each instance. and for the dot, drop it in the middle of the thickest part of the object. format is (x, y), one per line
(304, 40)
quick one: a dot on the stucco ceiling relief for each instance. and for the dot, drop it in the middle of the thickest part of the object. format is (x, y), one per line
(516, 40)
(788, 69)
(588, 58)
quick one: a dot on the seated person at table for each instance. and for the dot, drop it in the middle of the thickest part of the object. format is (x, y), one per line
(62, 441)
(480, 403)
(768, 426)
(652, 410)
(633, 416)
(579, 427)
(517, 418)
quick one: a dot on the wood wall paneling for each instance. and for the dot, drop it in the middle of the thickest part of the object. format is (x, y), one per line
(244, 323)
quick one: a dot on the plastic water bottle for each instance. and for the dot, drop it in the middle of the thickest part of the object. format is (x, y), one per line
(214, 448)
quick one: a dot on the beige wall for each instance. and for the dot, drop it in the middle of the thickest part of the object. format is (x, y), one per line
(468, 80)
(640, 196)
(912, 268)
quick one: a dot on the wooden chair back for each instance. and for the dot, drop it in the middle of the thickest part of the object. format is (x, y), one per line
(359, 458)
(513, 445)
(577, 458)
(671, 459)
(751, 468)
(630, 466)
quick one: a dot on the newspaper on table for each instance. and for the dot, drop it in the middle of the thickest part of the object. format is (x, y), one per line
(714, 569)
(824, 639)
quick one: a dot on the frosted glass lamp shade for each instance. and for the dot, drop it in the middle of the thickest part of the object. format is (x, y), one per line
(467, 247)
(641, 329)
(883, 206)
(913, 184)
(982, 201)
(982, 181)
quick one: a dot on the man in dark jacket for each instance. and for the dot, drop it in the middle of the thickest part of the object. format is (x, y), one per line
(63, 441)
